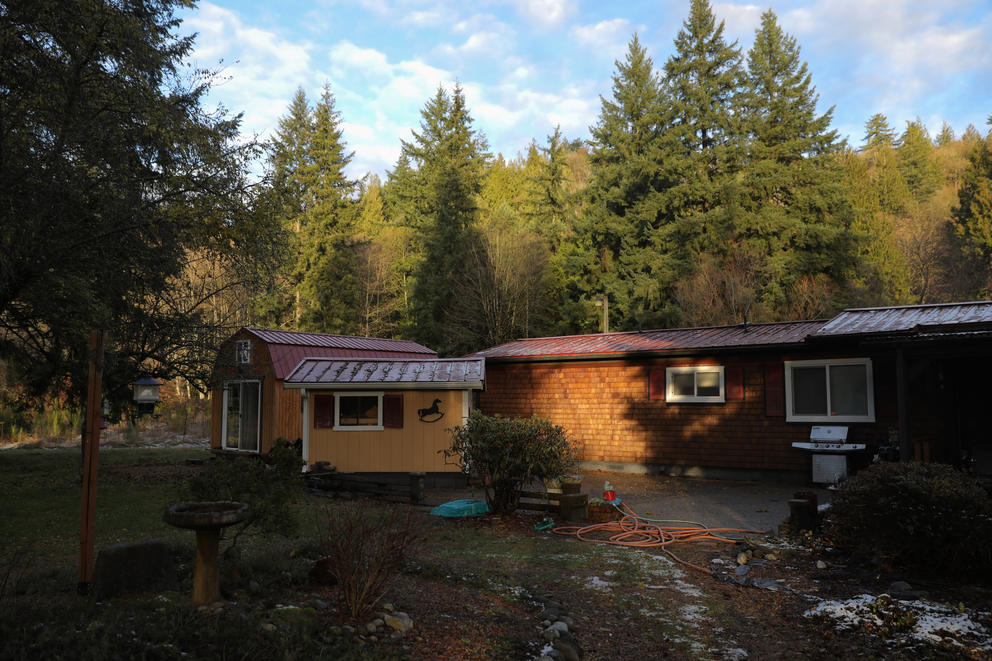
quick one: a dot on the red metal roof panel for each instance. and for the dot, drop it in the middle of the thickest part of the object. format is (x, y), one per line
(339, 341)
(288, 348)
(675, 339)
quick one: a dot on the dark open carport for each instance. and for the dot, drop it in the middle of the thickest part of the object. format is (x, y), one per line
(934, 365)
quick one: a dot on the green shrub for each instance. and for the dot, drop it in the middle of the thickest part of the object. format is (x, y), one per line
(364, 547)
(269, 487)
(927, 518)
(507, 454)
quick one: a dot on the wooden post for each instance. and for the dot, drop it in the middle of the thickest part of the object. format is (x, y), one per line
(206, 575)
(91, 453)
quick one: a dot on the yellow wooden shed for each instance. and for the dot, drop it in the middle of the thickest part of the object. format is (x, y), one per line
(384, 415)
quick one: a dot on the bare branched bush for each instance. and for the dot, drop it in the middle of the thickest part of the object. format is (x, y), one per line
(364, 547)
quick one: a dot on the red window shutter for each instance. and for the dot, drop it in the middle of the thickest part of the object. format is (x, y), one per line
(656, 384)
(733, 381)
(323, 411)
(392, 411)
(775, 390)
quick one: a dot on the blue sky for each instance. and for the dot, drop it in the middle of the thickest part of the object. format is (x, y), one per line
(529, 65)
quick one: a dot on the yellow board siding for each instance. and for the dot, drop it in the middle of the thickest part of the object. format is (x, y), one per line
(412, 448)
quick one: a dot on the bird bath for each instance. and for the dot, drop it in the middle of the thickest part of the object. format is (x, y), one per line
(207, 520)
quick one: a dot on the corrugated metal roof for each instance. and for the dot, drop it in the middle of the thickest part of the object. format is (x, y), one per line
(861, 321)
(437, 372)
(675, 339)
(338, 341)
(288, 348)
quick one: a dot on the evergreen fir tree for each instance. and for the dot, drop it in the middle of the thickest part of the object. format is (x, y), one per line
(793, 208)
(705, 140)
(617, 251)
(946, 135)
(971, 134)
(288, 154)
(449, 157)
(973, 215)
(878, 133)
(917, 162)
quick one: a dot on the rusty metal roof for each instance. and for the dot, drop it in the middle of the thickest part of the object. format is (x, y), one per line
(288, 348)
(437, 373)
(948, 317)
(653, 341)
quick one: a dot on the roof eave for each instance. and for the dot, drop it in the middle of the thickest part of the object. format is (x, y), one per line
(409, 385)
(628, 355)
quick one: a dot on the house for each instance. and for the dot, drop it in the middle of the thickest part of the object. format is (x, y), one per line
(250, 406)
(730, 401)
(361, 404)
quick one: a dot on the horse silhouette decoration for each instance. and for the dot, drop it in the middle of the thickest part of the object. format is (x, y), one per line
(432, 414)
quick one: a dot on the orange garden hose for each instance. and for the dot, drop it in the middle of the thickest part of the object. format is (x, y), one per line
(635, 531)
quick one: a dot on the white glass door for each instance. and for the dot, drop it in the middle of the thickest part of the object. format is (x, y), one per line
(242, 415)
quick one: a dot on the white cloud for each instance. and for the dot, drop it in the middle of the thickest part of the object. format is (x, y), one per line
(263, 69)
(547, 12)
(740, 21)
(898, 58)
(609, 37)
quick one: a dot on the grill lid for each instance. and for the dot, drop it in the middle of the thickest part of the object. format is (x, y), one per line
(828, 433)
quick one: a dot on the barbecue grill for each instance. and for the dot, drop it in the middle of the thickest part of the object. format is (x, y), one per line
(830, 451)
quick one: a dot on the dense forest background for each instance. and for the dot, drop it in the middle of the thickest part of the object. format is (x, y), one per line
(712, 191)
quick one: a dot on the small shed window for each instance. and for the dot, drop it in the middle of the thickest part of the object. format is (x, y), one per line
(695, 384)
(829, 390)
(360, 411)
(242, 352)
(392, 411)
(323, 411)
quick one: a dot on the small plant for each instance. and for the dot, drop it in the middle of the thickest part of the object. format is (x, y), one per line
(269, 487)
(509, 453)
(364, 547)
(927, 518)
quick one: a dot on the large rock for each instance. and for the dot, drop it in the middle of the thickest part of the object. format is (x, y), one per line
(133, 567)
(399, 621)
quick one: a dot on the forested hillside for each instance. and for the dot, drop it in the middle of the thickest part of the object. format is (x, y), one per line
(712, 190)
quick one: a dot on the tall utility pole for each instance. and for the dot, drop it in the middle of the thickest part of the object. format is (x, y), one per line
(603, 302)
(91, 452)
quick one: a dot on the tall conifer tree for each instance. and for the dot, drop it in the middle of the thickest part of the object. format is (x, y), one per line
(704, 82)
(325, 267)
(449, 158)
(793, 207)
(917, 162)
(617, 252)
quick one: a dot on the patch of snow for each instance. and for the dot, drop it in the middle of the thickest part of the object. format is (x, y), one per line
(597, 583)
(935, 623)
(693, 614)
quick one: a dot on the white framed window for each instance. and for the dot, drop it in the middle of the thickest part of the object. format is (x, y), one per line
(242, 352)
(700, 383)
(838, 390)
(358, 411)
